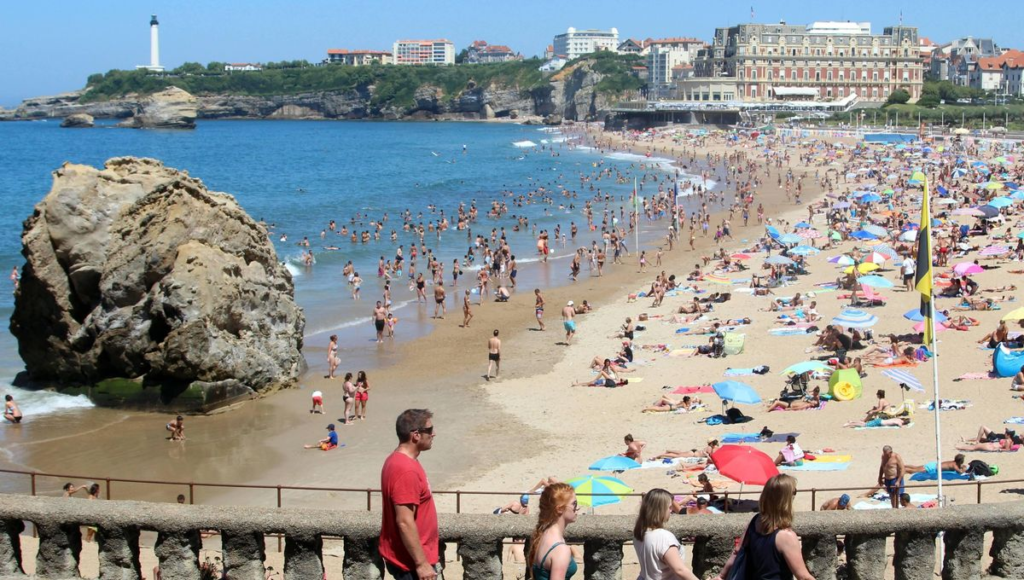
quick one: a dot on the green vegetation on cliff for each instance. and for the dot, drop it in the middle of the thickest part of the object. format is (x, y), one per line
(392, 85)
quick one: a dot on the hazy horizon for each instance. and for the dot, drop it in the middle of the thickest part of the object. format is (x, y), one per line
(54, 47)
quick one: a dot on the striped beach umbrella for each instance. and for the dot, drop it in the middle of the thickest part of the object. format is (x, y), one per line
(614, 463)
(994, 251)
(903, 377)
(855, 318)
(605, 490)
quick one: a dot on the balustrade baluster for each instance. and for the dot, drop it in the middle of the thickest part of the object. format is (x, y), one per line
(119, 553)
(244, 553)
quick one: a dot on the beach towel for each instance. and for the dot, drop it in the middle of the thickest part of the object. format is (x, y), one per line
(896, 365)
(788, 331)
(885, 427)
(680, 352)
(693, 390)
(755, 438)
(668, 463)
(986, 376)
(946, 476)
(739, 372)
(1015, 421)
(948, 405)
(816, 466)
(821, 405)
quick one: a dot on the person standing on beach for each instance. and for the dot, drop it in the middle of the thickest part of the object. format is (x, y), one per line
(332, 356)
(467, 312)
(408, 535)
(378, 318)
(890, 475)
(362, 395)
(357, 283)
(493, 355)
(439, 301)
(568, 316)
(539, 308)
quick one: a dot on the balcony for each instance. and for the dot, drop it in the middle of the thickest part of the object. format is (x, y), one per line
(478, 540)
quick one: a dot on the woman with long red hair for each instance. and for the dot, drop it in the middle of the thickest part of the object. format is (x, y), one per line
(549, 557)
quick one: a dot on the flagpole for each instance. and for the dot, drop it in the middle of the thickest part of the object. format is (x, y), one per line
(938, 407)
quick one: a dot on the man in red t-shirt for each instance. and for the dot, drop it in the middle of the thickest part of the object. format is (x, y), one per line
(408, 531)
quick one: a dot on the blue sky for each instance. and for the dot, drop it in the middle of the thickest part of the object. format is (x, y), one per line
(52, 46)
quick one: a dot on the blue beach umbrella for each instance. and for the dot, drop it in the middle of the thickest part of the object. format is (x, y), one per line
(789, 239)
(1000, 202)
(803, 367)
(772, 231)
(870, 198)
(863, 235)
(804, 251)
(736, 392)
(802, 225)
(614, 463)
(875, 282)
(854, 318)
(915, 315)
(779, 261)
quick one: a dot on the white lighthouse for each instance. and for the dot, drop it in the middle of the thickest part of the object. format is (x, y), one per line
(154, 46)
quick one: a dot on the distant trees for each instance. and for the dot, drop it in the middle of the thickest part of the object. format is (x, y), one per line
(898, 97)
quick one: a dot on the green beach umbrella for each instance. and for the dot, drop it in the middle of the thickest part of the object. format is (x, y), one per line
(590, 484)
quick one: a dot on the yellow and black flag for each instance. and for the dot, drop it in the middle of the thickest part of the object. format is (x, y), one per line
(923, 282)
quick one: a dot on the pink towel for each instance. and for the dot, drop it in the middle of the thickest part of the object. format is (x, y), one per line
(693, 390)
(987, 376)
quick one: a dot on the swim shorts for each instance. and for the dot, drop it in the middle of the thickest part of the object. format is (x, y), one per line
(570, 325)
(362, 396)
(495, 356)
(893, 484)
(318, 400)
(379, 324)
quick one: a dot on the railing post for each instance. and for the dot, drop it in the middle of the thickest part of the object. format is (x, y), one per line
(303, 556)
(279, 507)
(362, 560)
(814, 499)
(118, 549)
(1007, 552)
(191, 493)
(33, 477)
(963, 554)
(243, 555)
(914, 557)
(369, 506)
(108, 488)
(979, 491)
(865, 556)
(481, 558)
(458, 502)
(178, 553)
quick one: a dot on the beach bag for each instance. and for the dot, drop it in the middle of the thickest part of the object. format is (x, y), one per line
(978, 467)
(734, 415)
(715, 420)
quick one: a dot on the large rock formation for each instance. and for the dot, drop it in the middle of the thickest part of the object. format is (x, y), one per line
(171, 108)
(137, 271)
(78, 120)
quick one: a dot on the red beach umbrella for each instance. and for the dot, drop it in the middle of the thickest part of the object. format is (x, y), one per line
(744, 464)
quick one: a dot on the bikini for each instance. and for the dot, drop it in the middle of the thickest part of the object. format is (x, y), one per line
(540, 573)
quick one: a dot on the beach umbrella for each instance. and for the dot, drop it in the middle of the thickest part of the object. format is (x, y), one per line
(908, 236)
(740, 256)
(736, 392)
(772, 231)
(1000, 202)
(854, 318)
(870, 198)
(779, 261)
(945, 201)
(803, 367)
(875, 282)
(887, 250)
(994, 251)
(598, 485)
(863, 235)
(993, 185)
(863, 268)
(876, 257)
(988, 211)
(744, 464)
(614, 463)
(841, 205)
(789, 239)
(801, 225)
(804, 251)
(969, 211)
(1017, 194)
(915, 315)
(1017, 314)
(903, 377)
(919, 327)
(877, 230)
(959, 172)
(843, 260)
(811, 234)
(964, 268)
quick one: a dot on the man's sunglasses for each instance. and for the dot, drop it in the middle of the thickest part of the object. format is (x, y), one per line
(426, 430)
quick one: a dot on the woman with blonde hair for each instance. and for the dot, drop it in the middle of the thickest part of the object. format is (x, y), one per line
(771, 548)
(549, 556)
(657, 549)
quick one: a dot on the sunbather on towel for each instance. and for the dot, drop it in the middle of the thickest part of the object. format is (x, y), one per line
(605, 378)
(693, 308)
(895, 422)
(597, 363)
(705, 485)
(995, 446)
(702, 453)
(957, 465)
(812, 402)
(667, 404)
(976, 304)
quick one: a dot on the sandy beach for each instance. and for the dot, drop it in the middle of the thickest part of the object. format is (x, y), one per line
(505, 434)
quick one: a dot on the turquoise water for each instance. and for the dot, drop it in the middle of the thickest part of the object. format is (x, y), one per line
(299, 175)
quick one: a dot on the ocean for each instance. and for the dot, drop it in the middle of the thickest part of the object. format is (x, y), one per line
(299, 175)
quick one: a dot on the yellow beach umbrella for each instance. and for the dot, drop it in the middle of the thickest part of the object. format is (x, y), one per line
(863, 268)
(1017, 314)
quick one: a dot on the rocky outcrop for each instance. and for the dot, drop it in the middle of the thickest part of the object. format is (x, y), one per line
(137, 271)
(78, 120)
(571, 94)
(171, 108)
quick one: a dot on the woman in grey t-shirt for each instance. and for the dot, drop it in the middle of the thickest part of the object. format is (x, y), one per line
(657, 549)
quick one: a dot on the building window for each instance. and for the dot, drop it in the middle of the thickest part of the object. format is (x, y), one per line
(817, 76)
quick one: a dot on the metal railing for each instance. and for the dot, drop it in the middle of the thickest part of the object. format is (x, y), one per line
(191, 486)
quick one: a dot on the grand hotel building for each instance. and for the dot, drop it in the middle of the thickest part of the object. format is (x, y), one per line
(823, 61)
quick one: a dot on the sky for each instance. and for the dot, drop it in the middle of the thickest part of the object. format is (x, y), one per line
(52, 46)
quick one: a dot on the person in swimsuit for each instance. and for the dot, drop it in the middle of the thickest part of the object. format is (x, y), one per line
(332, 356)
(357, 283)
(467, 312)
(362, 395)
(94, 494)
(958, 465)
(890, 475)
(539, 308)
(549, 557)
(421, 288)
(493, 355)
(11, 411)
(439, 301)
(318, 403)
(634, 449)
(378, 318)
(568, 313)
(177, 429)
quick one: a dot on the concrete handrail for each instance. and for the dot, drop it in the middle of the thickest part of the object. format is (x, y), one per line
(479, 538)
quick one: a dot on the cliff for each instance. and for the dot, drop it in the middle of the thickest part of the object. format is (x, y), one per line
(584, 90)
(144, 288)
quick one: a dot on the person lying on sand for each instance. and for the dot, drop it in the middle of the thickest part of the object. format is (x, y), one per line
(702, 453)
(693, 308)
(879, 422)
(605, 378)
(597, 363)
(958, 465)
(1003, 445)
(976, 304)
(811, 402)
(667, 404)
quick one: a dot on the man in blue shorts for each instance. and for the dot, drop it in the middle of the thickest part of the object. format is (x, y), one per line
(568, 315)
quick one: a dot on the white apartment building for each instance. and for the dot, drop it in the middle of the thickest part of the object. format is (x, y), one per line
(243, 67)
(1013, 79)
(665, 56)
(357, 57)
(575, 43)
(437, 52)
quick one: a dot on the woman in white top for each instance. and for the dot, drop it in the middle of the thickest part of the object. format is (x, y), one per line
(657, 549)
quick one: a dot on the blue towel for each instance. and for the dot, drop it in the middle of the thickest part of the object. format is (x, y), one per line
(1015, 421)
(788, 331)
(739, 372)
(680, 330)
(946, 476)
(755, 438)
(815, 466)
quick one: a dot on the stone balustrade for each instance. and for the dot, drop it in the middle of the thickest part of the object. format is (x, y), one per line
(479, 540)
